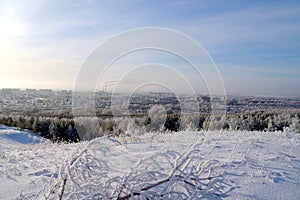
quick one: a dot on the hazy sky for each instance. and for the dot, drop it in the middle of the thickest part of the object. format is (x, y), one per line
(255, 44)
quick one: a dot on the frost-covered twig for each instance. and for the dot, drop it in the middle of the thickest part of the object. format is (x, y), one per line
(167, 175)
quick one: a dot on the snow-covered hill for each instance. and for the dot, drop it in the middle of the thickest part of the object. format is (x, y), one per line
(229, 165)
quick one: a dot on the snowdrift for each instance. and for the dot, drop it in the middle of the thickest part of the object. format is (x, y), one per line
(9, 135)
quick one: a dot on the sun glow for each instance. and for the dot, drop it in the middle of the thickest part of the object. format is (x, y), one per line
(11, 28)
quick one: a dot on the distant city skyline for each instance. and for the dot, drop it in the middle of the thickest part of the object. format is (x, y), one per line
(255, 44)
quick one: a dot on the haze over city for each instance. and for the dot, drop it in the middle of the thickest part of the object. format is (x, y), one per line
(254, 44)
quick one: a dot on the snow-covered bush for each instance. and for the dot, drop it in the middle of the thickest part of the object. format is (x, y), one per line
(164, 175)
(189, 122)
(88, 127)
(295, 126)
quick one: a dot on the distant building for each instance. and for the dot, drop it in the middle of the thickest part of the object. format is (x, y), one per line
(10, 90)
(31, 90)
(45, 90)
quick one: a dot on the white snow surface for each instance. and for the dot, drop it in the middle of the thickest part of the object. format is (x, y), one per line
(256, 165)
(11, 136)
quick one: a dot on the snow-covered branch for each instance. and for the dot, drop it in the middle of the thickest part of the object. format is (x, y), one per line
(94, 173)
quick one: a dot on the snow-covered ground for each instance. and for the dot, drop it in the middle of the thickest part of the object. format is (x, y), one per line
(243, 165)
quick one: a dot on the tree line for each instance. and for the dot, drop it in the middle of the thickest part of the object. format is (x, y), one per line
(53, 128)
(65, 129)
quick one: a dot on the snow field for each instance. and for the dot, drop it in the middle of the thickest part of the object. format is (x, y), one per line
(210, 165)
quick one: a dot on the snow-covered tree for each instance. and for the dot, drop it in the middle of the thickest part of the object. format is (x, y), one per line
(295, 126)
(271, 126)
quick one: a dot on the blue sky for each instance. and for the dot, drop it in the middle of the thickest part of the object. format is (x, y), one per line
(255, 44)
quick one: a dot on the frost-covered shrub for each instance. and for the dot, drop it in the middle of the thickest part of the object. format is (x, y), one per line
(295, 124)
(88, 127)
(215, 122)
(164, 175)
(189, 122)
